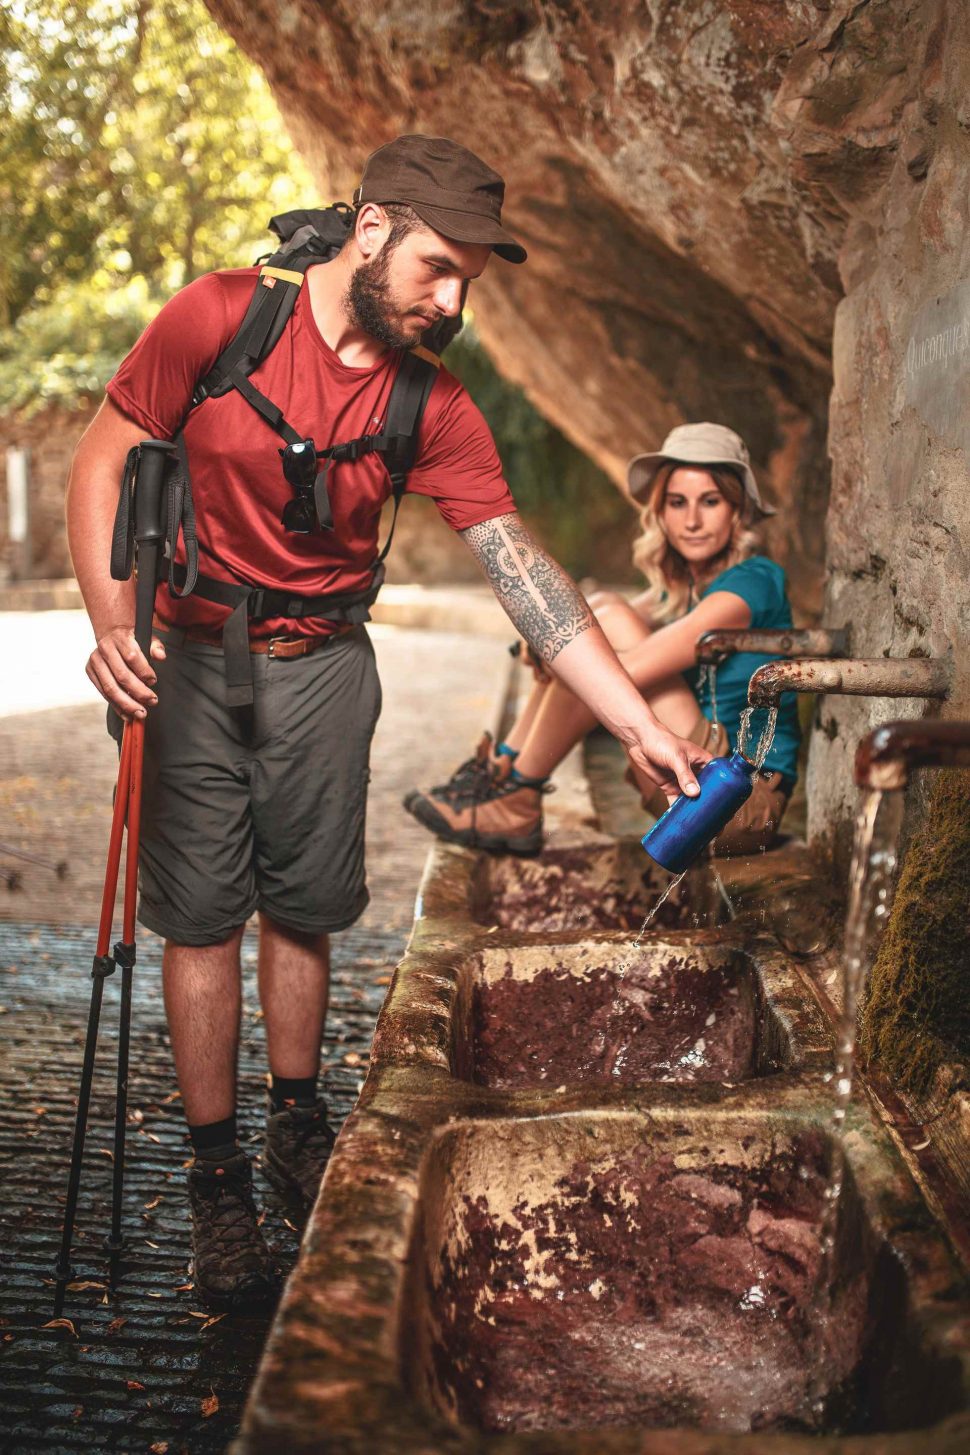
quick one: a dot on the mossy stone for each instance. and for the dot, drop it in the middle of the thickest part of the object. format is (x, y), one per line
(917, 1016)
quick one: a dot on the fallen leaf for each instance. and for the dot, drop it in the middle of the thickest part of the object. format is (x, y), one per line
(40, 1111)
(104, 1298)
(210, 1405)
(133, 1384)
(80, 1287)
(353, 1059)
(184, 1287)
(77, 1412)
(150, 1244)
(154, 1202)
(159, 1448)
(115, 1325)
(104, 1152)
(60, 1324)
(921, 1146)
(216, 1318)
(7, 1338)
(491, 930)
(381, 980)
(194, 1314)
(166, 1100)
(292, 1226)
(150, 1135)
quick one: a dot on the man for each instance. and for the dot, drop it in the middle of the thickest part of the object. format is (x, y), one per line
(261, 808)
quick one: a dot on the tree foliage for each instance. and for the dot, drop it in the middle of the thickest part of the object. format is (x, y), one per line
(141, 149)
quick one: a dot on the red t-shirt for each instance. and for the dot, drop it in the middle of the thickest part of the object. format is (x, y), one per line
(237, 475)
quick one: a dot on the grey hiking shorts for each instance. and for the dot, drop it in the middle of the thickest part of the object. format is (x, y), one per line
(257, 808)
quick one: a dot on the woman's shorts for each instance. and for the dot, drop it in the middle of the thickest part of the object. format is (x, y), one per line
(262, 807)
(755, 825)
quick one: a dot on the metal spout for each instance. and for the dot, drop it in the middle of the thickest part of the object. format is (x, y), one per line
(887, 756)
(879, 677)
(715, 647)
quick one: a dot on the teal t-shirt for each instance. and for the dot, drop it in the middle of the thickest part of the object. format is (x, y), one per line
(761, 583)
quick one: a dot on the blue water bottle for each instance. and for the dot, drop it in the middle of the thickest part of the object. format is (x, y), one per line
(689, 823)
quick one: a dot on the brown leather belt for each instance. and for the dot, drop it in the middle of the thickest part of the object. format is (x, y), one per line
(260, 646)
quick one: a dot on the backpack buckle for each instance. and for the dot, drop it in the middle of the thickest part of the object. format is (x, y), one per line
(255, 602)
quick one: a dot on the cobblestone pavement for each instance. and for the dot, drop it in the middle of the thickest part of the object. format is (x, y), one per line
(142, 1367)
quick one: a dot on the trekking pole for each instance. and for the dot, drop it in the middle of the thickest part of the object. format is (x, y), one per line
(149, 533)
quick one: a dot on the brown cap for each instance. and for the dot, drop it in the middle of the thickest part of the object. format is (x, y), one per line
(450, 189)
(697, 444)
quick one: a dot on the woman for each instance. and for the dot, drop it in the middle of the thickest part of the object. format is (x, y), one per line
(697, 550)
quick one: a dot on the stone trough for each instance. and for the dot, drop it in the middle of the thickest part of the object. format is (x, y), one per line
(578, 1210)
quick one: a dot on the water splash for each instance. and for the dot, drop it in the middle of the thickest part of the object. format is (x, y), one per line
(615, 1055)
(766, 739)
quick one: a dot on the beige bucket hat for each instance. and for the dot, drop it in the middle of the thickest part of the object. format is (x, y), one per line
(697, 444)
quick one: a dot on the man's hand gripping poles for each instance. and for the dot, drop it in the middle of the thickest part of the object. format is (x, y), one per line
(148, 492)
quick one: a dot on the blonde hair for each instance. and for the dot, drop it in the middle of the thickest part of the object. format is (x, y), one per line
(665, 569)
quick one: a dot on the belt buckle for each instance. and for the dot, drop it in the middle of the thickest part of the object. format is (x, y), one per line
(274, 642)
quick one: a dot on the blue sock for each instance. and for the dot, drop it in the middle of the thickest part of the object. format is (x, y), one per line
(527, 782)
(502, 750)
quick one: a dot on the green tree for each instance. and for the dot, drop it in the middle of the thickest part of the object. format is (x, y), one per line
(141, 149)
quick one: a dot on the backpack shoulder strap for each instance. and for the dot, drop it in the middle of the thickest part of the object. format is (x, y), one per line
(405, 409)
(306, 238)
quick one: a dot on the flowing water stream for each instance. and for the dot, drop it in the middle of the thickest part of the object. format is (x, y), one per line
(767, 736)
(874, 860)
(614, 1057)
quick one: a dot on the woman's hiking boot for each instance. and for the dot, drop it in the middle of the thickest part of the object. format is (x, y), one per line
(468, 779)
(502, 813)
(295, 1154)
(233, 1265)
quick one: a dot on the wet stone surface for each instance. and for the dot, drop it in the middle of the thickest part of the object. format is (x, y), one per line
(596, 1015)
(142, 1367)
(658, 1286)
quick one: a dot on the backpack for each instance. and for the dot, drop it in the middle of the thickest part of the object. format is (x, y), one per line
(306, 237)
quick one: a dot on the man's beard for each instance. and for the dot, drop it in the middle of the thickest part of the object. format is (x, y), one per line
(370, 306)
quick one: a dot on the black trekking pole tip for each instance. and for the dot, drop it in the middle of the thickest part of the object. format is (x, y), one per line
(63, 1272)
(114, 1245)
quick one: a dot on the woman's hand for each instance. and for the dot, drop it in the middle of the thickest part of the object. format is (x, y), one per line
(119, 670)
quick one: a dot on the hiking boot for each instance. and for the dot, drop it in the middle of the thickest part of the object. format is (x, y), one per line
(501, 814)
(233, 1265)
(296, 1151)
(468, 779)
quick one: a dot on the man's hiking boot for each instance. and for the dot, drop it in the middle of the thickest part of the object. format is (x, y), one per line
(295, 1154)
(233, 1265)
(499, 814)
(468, 779)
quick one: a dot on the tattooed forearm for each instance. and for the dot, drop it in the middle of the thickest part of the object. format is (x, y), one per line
(541, 601)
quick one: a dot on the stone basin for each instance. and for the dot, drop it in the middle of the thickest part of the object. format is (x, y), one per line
(581, 1272)
(593, 886)
(601, 1013)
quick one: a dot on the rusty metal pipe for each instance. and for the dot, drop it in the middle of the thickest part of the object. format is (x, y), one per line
(715, 647)
(879, 677)
(887, 756)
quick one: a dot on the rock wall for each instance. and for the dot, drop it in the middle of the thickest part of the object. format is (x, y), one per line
(680, 264)
(899, 519)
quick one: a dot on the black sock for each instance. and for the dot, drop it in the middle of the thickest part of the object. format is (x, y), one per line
(292, 1091)
(215, 1141)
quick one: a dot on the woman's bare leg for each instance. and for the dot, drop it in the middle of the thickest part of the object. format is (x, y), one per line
(561, 720)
